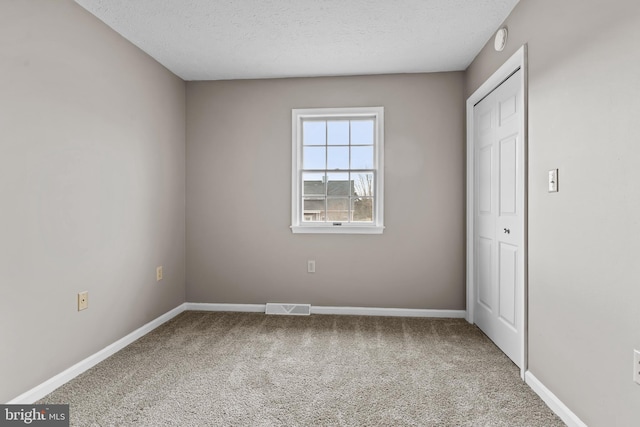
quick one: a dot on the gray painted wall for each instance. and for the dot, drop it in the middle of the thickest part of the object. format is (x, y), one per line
(92, 189)
(584, 315)
(239, 245)
(92, 177)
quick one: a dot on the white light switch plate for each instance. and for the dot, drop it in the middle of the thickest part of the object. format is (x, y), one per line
(553, 181)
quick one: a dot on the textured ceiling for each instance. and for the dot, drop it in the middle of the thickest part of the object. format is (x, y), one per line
(241, 39)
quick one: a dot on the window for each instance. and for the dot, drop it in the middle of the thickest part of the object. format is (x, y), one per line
(337, 182)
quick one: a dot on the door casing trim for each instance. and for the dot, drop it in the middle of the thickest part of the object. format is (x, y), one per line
(517, 61)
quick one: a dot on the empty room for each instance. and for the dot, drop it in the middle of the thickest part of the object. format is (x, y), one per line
(320, 213)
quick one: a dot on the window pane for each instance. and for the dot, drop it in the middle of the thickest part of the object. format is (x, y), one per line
(314, 157)
(338, 184)
(362, 132)
(362, 157)
(338, 132)
(313, 209)
(338, 209)
(314, 133)
(313, 184)
(363, 184)
(338, 158)
(362, 209)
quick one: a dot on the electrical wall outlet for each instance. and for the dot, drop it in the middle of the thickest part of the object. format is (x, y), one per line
(158, 273)
(311, 266)
(83, 300)
(636, 366)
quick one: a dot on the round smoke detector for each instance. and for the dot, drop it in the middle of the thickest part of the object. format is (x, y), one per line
(500, 40)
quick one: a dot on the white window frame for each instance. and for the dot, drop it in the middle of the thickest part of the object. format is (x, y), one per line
(297, 117)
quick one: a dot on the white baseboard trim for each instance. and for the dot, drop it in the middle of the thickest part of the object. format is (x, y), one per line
(552, 401)
(394, 312)
(347, 311)
(39, 391)
(240, 308)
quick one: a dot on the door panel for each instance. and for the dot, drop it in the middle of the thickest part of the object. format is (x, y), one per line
(508, 108)
(507, 282)
(484, 173)
(484, 123)
(508, 159)
(484, 276)
(498, 216)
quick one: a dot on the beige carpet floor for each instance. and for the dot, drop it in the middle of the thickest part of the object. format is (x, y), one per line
(246, 369)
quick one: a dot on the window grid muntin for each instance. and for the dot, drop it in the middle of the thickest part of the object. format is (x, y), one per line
(352, 198)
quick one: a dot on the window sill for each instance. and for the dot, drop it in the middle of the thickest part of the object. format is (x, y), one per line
(332, 229)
